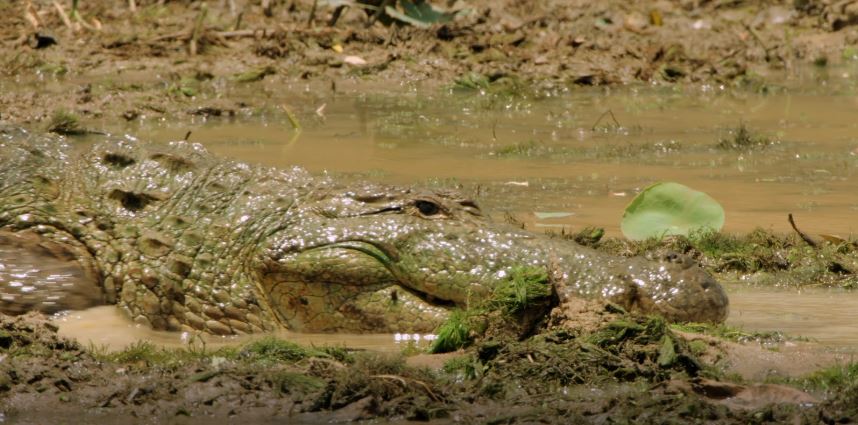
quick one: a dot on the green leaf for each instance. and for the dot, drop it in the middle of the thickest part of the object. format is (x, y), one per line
(666, 353)
(670, 209)
(418, 13)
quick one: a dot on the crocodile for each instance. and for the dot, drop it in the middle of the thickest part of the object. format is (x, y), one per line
(180, 239)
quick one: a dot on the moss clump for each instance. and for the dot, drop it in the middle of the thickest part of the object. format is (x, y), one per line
(766, 257)
(454, 333)
(832, 379)
(270, 349)
(743, 139)
(521, 150)
(522, 298)
(65, 123)
(254, 74)
(525, 286)
(730, 333)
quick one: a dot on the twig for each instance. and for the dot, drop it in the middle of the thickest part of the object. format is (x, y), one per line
(31, 16)
(63, 15)
(292, 120)
(246, 33)
(606, 113)
(186, 34)
(404, 382)
(197, 30)
(312, 17)
(237, 25)
(338, 12)
(391, 38)
(132, 6)
(758, 39)
(379, 12)
(801, 234)
(187, 136)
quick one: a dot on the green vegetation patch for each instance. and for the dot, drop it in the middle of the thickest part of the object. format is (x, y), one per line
(832, 379)
(65, 123)
(625, 350)
(761, 255)
(513, 305)
(742, 138)
(500, 84)
(273, 349)
(730, 333)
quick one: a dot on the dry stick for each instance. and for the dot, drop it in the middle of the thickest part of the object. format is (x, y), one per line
(195, 34)
(391, 38)
(132, 6)
(63, 15)
(758, 39)
(338, 12)
(186, 34)
(237, 25)
(611, 114)
(801, 234)
(384, 4)
(30, 16)
(312, 14)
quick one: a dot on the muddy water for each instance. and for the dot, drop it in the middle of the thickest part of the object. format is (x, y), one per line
(567, 158)
(536, 156)
(107, 327)
(826, 317)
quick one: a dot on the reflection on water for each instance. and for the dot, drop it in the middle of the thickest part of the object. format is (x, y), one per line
(37, 274)
(827, 316)
(105, 326)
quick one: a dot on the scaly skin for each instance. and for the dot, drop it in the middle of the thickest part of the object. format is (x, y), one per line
(182, 240)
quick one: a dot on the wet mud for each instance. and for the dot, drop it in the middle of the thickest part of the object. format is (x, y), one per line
(111, 68)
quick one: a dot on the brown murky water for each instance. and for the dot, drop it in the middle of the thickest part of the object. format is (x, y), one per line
(825, 317)
(532, 156)
(556, 156)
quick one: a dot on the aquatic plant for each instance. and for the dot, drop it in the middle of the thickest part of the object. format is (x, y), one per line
(669, 208)
(65, 123)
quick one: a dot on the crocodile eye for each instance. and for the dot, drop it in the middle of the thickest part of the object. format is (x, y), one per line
(427, 207)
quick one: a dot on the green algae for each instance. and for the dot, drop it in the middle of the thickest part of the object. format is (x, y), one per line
(742, 138)
(760, 256)
(513, 302)
(731, 333)
(65, 123)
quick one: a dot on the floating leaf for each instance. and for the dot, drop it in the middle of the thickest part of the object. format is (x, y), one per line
(670, 209)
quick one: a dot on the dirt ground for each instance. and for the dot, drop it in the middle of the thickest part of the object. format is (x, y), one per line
(182, 59)
(173, 58)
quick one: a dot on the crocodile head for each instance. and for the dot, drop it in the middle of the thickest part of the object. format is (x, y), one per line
(389, 259)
